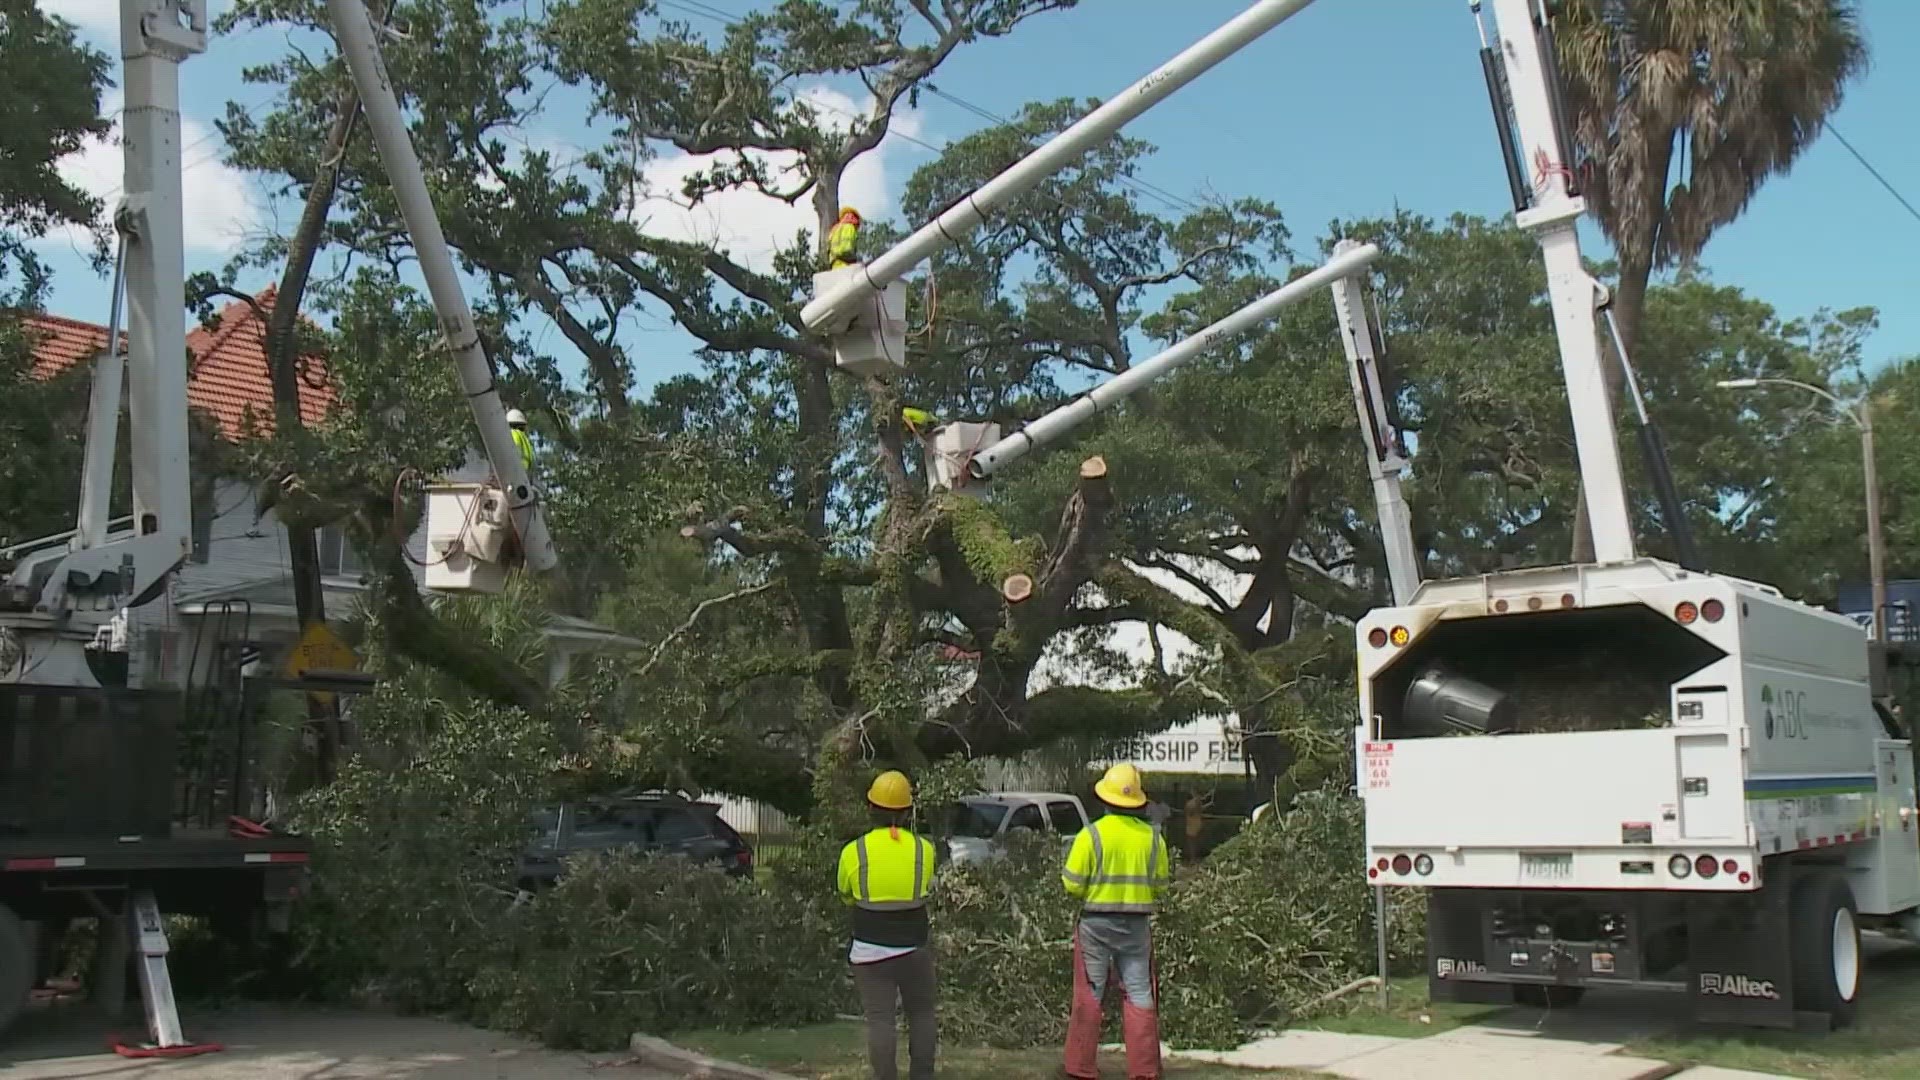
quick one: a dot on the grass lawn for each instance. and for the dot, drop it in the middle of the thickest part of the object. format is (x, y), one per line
(1882, 1044)
(1409, 1015)
(838, 1052)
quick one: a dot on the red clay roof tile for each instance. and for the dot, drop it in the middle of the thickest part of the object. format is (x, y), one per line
(228, 373)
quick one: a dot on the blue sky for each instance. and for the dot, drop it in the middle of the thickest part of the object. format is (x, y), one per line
(1349, 109)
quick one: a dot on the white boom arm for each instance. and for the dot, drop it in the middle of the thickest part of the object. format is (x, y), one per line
(58, 603)
(1064, 419)
(1385, 462)
(1055, 154)
(362, 52)
(1552, 218)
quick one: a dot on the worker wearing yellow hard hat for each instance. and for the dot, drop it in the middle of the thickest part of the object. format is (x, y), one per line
(843, 239)
(886, 875)
(1117, 869)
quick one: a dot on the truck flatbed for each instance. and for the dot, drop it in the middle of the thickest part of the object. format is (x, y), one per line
(186, 849)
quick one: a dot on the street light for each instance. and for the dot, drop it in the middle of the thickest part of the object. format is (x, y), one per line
(1862, 417)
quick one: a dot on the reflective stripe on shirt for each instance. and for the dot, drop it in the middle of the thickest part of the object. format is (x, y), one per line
(863, 892)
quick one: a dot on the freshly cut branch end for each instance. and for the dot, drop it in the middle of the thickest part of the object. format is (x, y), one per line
(1017, 588)
(1094, 468)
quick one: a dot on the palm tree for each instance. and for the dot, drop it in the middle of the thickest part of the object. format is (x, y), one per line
(1681, 109)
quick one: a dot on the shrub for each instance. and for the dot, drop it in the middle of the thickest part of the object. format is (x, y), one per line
(629, 943)
(1278, 916)
(1002, 931)
(412, 864)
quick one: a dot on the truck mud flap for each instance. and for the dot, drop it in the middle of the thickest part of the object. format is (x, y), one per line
(1456, 948)
(1741, 955)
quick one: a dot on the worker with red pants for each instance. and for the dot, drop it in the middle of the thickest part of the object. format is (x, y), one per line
(1117, 867)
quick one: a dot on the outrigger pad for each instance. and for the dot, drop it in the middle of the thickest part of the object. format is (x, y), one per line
(153, 1050)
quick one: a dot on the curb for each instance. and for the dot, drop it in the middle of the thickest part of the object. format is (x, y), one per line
(661, 1054)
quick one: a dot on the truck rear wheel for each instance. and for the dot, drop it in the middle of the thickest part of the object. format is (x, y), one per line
(19, 963)
(1826, 947)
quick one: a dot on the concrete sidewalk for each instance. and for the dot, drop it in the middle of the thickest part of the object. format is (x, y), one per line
(1496, 1051)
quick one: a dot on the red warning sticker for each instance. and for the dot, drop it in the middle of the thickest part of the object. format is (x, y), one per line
(1379, 765)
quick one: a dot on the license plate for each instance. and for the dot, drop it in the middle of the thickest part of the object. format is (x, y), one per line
(1557, 866)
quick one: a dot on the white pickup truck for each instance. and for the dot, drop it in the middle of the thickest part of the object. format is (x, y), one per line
(977, 824)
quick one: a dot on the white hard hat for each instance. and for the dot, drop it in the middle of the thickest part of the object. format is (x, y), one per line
(515, 416)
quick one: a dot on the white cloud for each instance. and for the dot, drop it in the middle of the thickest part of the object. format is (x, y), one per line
(221, 205)
(751, 226)
(100, 19)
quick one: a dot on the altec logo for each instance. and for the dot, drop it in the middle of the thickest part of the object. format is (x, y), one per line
(1446, 966)
(1742, 986)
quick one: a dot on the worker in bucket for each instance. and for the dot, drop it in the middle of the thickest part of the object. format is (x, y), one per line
(919, 422)
(886, 875)
(843, 239)
(1117, 868)
(517, 420)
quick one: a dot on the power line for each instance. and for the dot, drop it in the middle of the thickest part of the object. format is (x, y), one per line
(1875, 173)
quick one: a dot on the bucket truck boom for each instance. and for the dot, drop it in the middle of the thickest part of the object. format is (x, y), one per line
(1051, 427)
(469, 526)
(863, 306)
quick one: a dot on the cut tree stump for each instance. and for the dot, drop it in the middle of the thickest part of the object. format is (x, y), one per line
(1017, 588)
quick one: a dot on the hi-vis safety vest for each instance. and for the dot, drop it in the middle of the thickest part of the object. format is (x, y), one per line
(1118, 864)
(887, 870)
(841, 240)
(524, 443)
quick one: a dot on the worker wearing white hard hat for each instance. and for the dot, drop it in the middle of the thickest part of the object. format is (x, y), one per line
(517, 420)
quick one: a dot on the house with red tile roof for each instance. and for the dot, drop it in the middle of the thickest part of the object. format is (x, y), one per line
(240, 570)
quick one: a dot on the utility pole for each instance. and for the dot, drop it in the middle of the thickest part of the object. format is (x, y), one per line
(303, 552)
(1876, 538)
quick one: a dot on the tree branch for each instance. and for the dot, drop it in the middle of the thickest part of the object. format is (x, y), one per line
(699, 610)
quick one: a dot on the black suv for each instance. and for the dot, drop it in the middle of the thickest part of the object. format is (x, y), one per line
(663, 824)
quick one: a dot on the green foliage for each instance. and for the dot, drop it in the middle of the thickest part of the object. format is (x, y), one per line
(54, 84)
(413, 855)
(1003, 939)
(1274, 918)
(626, 944)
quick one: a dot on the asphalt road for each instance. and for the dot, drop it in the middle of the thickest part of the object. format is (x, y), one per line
(67, 1043)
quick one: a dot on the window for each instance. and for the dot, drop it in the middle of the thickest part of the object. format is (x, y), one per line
(677, 826)
(1027, 817)
(981, 821)
(338, 556)
(1065, 817)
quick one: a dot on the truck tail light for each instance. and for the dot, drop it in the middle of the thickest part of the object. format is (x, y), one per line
(1402, 865)
(1729, 867)
(1706, 866)
(1423, 865)
(1377, 638)
(1399, 636)
(1382, 864)
(1713, 611)
(1688, 613)
(1680, 866)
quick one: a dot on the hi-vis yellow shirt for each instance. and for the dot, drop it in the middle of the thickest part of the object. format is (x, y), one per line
(1118, 864)
(887, 870)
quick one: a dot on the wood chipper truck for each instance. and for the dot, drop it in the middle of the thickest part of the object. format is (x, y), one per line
(1627, 773)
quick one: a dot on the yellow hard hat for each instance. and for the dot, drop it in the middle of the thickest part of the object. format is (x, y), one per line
(891, 791)
(845, 210)
(1122, 787)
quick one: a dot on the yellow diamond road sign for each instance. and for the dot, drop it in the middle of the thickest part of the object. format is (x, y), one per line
(320, 650)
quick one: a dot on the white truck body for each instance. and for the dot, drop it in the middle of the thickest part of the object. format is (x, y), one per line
(1772, 747)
